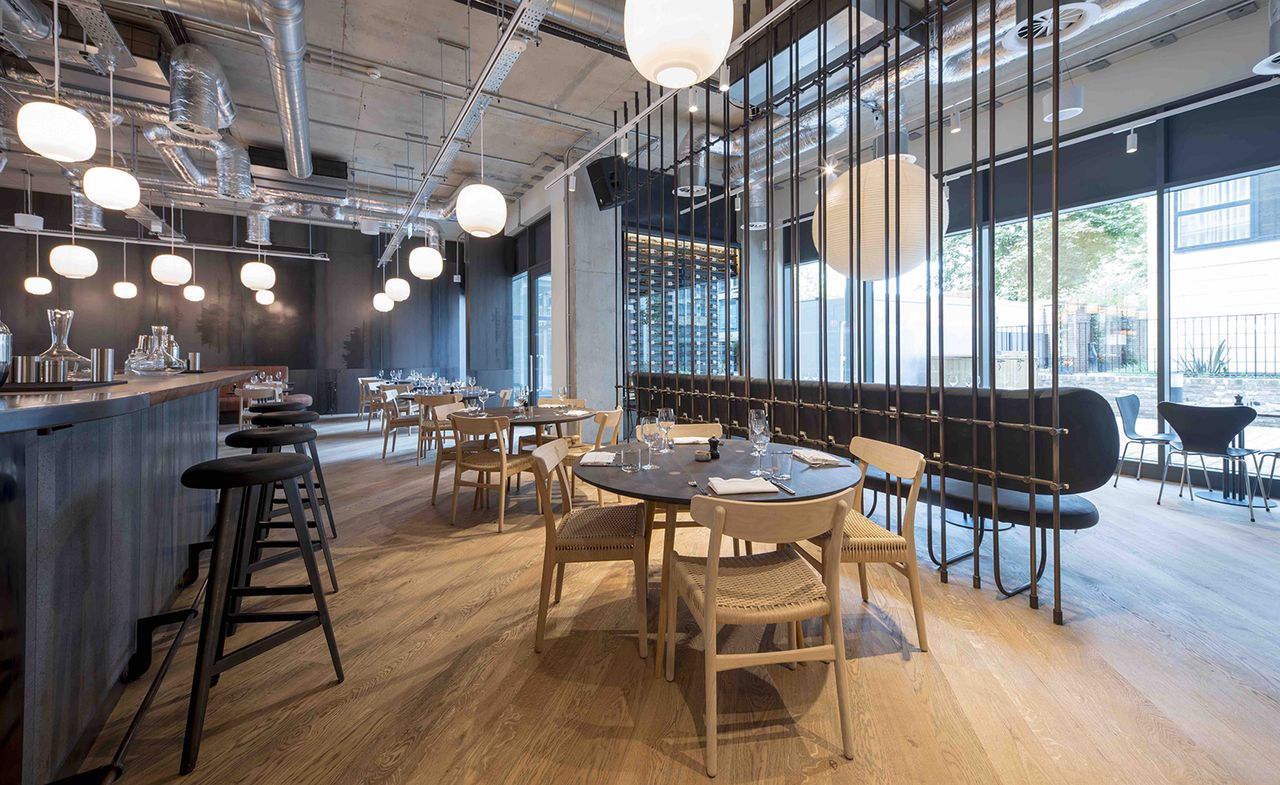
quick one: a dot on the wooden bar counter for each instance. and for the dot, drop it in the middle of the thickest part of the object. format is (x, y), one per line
(94, 528)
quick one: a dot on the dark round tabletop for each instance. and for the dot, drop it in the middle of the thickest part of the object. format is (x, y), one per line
(669, 483)
(540, 415)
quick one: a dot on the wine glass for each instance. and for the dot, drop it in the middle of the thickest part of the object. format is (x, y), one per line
(471, 381)
(758, 423)
(647, 432)
(666, 420)
(761, 441)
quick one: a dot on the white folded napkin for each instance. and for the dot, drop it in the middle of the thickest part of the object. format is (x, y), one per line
(577, 412)
(724, 487)
(688, 440)
(599, 458)
(816, 458)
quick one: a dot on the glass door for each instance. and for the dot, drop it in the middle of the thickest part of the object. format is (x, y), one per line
(520, 329)
(540, 339)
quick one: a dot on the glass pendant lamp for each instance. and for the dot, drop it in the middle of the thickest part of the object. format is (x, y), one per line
(481, 210)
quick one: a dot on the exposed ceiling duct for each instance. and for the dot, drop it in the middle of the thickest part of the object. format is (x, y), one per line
(84, 214)
(599, 18)
(282, 34)
(173, 149)
(200, 104)
(257, 229)
(25, 18)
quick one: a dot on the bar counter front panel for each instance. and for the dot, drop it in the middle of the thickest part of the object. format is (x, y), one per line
(94, 524)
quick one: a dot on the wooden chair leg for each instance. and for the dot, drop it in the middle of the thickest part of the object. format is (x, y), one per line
(502, 514)
(544, 595)
(670, 643)
(712, 717)
(457, 475)
(435, 484)
(862, 580)
(917, 604)
(842, 687)
(559, 580)
(642, 600)
(385, 436)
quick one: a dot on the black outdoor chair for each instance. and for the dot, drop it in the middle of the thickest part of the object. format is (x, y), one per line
(1209, 430)
(1128, 406)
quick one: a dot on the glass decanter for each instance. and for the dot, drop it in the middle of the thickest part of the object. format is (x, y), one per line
(156, 358)
(78, 366)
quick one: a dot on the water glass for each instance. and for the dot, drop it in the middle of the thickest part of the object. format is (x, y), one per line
(629, 457)
(780, 465)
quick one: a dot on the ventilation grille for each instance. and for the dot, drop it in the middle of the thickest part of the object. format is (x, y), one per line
(1074, 19)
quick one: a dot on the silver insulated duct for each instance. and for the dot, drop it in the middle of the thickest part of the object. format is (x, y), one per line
(1270, 65)
(257, 229)
(25, 18)
(593, 17)
(286, 49)
(200, 102)
(84, 214)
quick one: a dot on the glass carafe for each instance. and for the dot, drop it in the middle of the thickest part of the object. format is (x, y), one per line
(78, 367)
(155, 356)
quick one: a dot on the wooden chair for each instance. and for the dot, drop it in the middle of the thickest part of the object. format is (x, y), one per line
(778, 587)
(430, 423)
(504, 397)
(473, 454)
(364, 394)
(609, 422)
(443, 412)
(867, 542)
(702, 430)
(593, 534)
(372, 401)
(394, 416)
(248, 397)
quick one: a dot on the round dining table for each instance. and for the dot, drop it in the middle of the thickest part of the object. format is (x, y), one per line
(679, 477)
(537, 417)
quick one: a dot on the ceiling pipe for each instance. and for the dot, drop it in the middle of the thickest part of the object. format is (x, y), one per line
(257, 228)
(26, 19)
(84, 214)
(200, 104)
(281, 32)
(174, 151)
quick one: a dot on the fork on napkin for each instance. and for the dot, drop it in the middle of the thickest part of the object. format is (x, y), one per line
(601, 458)
(816, 458)
(726, 487)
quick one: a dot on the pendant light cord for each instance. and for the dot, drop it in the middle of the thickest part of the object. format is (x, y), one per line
(111, 120)
(37, 255)
(57, 62)
(124, 261)
(482, 146)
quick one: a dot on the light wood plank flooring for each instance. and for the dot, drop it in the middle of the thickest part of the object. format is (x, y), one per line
(1166, 672)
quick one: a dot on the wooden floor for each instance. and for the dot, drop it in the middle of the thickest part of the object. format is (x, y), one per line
(1167, 670)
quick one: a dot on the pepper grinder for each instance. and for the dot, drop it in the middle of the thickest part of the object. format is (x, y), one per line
(714, 444)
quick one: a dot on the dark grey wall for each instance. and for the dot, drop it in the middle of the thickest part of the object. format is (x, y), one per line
(322, 326)
(490, 264)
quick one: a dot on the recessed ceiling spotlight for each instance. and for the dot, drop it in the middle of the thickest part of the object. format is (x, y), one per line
(373, 72)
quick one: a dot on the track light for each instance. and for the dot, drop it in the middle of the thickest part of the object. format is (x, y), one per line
(723, 78)
(693, 100)
(625, 149)
(955, 123)
(1131, 141)
(573, 183)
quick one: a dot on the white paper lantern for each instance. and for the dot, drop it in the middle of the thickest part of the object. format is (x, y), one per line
(383, 303)
(397, 289)
(73, 261)
(426, 262)
(125, 290)
(37, 284)
(258, 275)
(906, 238)
(114, 189)
(482, 210)
(57, 132)
(264, 296)
(171, 269)
(677, 43)
(193, 292)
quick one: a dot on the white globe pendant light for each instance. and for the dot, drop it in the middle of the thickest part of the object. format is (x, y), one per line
(258, 275)
(125, 290)
(397, 289)
(264, 296)
(382, 302)
(73, 261)
(106, 186)
(37, 285)
(48, 128)
(905, 240)
(677, 43)
(481, 209)
(171, 269)
(193, 292)
(426, 262)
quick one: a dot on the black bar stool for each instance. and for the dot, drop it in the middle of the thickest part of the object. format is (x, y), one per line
(302, 417)
(277, 406)
(274, 439)
(239, 479)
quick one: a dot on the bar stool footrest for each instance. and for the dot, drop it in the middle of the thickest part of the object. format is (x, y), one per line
(144, 639)
(266, 644)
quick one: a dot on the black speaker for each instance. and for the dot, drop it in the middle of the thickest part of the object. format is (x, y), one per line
(606, 180)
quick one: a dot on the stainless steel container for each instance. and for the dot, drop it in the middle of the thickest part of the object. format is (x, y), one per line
(193, 361)
(104, 364)
(25, 368)
(6, 352)
(53, 371)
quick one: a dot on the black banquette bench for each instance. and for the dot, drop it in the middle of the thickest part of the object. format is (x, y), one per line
(1088, 450)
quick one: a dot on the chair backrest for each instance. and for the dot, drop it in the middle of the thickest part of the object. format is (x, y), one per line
(608, 421)
(432, 401)
(1128, 406)
(576, 403)
(1206, 429)
(478, 428)
(895, 461)
(442, 411)
(772, 521)
(548, 463)
(705, 430)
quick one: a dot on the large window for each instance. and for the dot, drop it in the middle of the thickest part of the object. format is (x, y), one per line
(520, 329)
(1224, 297)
